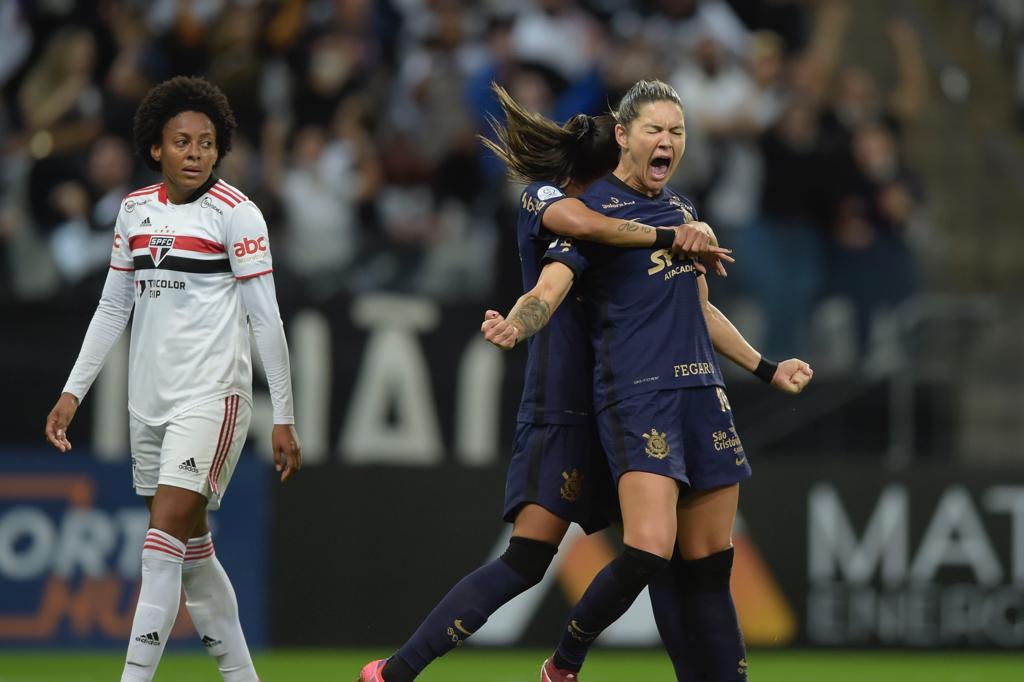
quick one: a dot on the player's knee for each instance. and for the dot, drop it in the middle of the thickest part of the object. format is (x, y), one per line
(695, 547)
(529, 558)
(636, 568)
(651, 538)
(709, 574)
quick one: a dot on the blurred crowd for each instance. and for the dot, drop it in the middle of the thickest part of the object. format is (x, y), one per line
(357, 137)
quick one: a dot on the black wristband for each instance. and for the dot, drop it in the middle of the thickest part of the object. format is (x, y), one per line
(765, 370)
(663, 238)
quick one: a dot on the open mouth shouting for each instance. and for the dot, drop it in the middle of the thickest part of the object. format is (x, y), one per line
(661, 164)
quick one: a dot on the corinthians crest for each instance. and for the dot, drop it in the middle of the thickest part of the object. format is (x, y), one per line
(572, 487)
(657, 446)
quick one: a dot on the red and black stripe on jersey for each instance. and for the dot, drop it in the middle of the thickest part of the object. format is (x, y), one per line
(181, 263)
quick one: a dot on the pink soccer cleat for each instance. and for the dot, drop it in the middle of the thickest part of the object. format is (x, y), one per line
(371, 671)
(549, 673)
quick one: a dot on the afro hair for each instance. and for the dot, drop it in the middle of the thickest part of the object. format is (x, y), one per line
(170, 98)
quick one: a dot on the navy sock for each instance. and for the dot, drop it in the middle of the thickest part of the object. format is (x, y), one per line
(666, 602)
(469, 604)
(710, 614)
(610, 594)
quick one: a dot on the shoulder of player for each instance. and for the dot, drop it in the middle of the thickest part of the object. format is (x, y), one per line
(542, 191)
(226, 196)
(141, 196)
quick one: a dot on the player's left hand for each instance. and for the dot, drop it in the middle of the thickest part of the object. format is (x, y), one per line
(287, 451)
(792, 375)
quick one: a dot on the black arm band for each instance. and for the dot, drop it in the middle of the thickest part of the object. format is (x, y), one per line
(766, 370)
(663, 238)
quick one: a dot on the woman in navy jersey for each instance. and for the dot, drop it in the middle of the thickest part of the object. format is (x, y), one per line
(557, 475)
(663, 416)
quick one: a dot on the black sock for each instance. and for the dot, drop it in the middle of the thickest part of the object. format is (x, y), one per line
(666, 602)
(710, 615)
(469, 604)
(610, 594)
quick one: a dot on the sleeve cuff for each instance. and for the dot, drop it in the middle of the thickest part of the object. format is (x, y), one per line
(567, 262)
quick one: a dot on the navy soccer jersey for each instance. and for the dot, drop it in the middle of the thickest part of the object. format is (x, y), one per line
(559, 362)
(647, 329)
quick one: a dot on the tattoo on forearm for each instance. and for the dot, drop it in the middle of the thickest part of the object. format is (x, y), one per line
(633, 227)
(529, 316)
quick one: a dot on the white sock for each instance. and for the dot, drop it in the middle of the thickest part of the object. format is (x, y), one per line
(159, 597)
(210, 600)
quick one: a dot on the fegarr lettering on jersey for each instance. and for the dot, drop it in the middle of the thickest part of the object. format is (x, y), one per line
(159, 247)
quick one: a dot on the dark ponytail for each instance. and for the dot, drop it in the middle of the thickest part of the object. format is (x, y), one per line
(535, 148)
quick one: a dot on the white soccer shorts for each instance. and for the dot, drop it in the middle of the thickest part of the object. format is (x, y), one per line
(196, 450)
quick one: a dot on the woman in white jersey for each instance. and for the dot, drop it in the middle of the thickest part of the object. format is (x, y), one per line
(192, 257)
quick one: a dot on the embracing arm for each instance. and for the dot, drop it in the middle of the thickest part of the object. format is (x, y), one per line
(789, 376)
(570, 217)
(533, 309)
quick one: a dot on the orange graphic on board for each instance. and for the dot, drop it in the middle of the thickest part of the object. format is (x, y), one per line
(766, 617)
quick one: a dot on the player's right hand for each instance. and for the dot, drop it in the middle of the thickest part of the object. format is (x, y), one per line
(58, 421)
(497, 330)
(697, 240)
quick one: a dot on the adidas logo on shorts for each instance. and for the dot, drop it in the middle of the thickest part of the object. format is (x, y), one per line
(152, 638)
(189, 465)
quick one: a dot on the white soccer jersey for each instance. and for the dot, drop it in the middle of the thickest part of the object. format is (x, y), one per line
(190, 337)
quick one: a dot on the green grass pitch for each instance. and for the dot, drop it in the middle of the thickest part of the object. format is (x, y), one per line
(522, 666)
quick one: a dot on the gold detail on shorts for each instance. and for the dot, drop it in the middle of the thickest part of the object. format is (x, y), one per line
(742, 667)
(657, 445)
(572, 487)
(723, 400)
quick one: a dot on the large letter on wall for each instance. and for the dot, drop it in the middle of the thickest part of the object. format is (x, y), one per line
(391, 415)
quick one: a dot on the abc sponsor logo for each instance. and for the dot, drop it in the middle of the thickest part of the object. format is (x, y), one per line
(249, 250)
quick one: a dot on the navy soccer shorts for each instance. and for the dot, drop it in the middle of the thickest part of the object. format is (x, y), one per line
(687, 434)
(561, 468)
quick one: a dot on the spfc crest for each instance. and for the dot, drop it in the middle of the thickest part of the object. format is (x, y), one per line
(572, 487)
(159, 247)
(657, 445)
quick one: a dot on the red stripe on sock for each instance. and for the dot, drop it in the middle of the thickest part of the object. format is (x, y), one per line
(198, 550)
(197, 557)
(161, 548)
(164, 543)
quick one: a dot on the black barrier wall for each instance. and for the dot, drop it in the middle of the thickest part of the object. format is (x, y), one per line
(399, 380)
(827, 555)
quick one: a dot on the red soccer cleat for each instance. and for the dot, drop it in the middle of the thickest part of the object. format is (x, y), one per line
(549, 673)
(371, 671)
